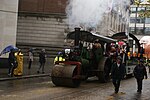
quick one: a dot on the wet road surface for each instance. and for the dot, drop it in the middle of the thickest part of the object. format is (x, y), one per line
(43, 89)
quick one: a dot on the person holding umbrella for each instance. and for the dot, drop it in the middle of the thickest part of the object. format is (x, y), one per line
(12, 62)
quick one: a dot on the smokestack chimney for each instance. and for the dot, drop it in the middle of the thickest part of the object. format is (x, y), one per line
(77, 36)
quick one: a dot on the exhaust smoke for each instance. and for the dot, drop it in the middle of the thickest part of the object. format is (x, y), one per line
(89, 13)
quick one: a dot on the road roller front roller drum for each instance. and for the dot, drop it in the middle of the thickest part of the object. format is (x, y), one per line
(63, 75)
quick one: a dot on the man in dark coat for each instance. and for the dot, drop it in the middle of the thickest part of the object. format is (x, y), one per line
(139, 73)
(42, 60)
(12, 62)
(117, 73)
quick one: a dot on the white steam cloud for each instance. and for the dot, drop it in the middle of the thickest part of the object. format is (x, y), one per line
(89, 13)
(85, 12)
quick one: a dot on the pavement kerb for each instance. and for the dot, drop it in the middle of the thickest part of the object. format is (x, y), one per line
(24, 77)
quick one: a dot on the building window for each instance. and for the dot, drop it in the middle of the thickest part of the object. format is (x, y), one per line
(141, 8)
(147, 20)
(147, 30)
(133, 9)
(139, 30)
(131, 29)
(138, 20)
(132, 20)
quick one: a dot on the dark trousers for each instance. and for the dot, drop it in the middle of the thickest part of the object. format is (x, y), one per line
(116, 83)
(139, 84)
(30, 62)
(11, 69)
(42, 64)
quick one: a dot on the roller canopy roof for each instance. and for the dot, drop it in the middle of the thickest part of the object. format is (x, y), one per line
(90, 37)
(120, 36)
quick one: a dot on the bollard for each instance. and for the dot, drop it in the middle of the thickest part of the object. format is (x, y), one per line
(19, 70)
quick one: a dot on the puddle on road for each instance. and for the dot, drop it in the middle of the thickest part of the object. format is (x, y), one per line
(114, 95)
(121, 93)
(110, 98)
(9, 95)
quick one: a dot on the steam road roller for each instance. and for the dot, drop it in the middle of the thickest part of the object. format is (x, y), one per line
(85, 59)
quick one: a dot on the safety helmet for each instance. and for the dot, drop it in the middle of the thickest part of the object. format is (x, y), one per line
(59, 53)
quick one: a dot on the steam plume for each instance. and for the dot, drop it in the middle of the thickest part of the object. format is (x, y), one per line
(89, 13)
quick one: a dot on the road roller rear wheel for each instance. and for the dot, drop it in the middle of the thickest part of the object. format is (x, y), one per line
(102, 77)
(103, 74)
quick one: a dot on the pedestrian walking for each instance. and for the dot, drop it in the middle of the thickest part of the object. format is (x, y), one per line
(30, 58)
(117, 73)
(139, 73)
(42, 60)
(12, 63)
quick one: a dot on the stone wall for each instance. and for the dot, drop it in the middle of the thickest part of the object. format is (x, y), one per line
(42, 6)
(8, 23)
(41, 32)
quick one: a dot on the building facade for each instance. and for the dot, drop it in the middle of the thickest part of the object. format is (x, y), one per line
(140, 20)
